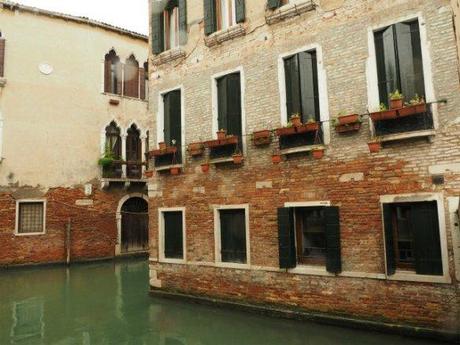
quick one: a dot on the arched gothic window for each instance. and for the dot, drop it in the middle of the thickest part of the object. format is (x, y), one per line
(134, 153)
(112, 73)
(131, 77)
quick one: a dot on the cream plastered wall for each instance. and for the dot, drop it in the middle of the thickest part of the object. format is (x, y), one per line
(52, 123)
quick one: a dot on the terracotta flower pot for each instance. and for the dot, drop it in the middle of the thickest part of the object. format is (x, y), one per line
(174, 171)
(149, 173)
(348, 119)
(261, 137)
(162, 146)
(308, 127)
(237, 159)
(420, 108)
(396, 103)
(295, 120)
(205, 167)
(352, 127)
(284, 131)
(196, 149)
(221, 135)
(318, 154)
(374, 146)
(407, 111)
(384, 115)
(276, 158)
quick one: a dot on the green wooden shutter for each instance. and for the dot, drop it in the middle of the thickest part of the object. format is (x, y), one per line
(240, 11)
(175, 122)
(308, 86)
(427, 244)
(389, 239)
(2, 56)
(409, 59)
(286, 238)
(333, 256)
(273, 4)
(222, 108)
(291, 69)
(182, 22)
(210, 24)
(167, 118)
(157, 30)
(234, 123)
(142, 83)
(386, 63)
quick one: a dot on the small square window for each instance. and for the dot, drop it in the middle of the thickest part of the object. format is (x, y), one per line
(31, 217)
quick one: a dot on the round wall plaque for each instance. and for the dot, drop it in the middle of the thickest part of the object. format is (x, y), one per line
(45, 68)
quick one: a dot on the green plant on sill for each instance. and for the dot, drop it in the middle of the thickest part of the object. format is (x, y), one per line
(417, 100)
(295, 116)
(396, 95)
(107, 159)
(383, 107)
(311, 120)
(288, 125)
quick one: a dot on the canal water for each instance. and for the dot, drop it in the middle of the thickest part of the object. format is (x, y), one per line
(108, 303)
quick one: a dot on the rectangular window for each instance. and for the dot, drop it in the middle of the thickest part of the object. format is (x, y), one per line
(399, 61)
(172, 120)
(229, 104)
(2, 55)
(31, 217)
(412, 238)
(233, 235)
(171, 26)
(173, 235)
(309, 236)
(225, 14)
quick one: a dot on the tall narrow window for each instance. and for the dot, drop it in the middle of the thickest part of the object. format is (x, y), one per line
(2, 56)
(399, 60)
(112, 73)
(222, 14)
(143, 81)
(311, 235)
(302, 96)
(169, 25)
(229, 104)
(113, 148)
(233, 236)
(173, 239)
(412, 239)
(225, 14)
(173, 122)
(133, 153)
(31, 217)
(131, 78)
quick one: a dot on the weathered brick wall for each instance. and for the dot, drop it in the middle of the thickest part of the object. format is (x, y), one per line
(401, 167)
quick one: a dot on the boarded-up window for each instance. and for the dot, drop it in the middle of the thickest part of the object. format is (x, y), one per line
(31, 217)
(233, 235)
(173, 235)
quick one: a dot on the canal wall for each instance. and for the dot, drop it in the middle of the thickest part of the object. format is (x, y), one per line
(408, 169)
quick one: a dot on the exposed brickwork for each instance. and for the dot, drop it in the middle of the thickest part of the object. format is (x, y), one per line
(400, 168)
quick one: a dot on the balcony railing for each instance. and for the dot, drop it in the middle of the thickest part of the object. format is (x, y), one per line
(115, 170)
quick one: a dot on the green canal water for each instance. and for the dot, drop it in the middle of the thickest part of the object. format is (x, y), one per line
(108, 303)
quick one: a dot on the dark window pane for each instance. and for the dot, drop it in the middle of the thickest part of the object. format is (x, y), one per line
(173, 235)
(30, 217)
(233, 236)
(291, 68)
(309, 86)
(311, 234)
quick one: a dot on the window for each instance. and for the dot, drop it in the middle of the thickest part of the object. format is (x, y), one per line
(144, 81)
(30, 217)
(131, 78)
(309, 235)
(2, 56)
(222, 14)
(113, 150)
(399, 61)
(172, 233)
(169, 25)
(273, 4)
(133, 153)
(412, 238)
(112, 73)
(232, 236)
(172, 122)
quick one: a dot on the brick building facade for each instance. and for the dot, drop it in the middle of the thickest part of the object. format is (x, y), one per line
(333, 228)
(61, 106)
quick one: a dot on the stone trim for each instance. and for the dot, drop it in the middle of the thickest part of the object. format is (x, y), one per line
(168, 56)
(408, 135)
(289, 11)
(2, 82)
(224, 35)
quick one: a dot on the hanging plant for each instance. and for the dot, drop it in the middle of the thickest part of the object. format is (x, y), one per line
(107, 159)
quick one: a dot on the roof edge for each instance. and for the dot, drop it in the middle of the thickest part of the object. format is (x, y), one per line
(12, 6)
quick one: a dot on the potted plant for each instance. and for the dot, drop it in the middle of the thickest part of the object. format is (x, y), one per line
(276, 157)
(311, 126)
(343, 119)
(205, 167)
(286, 130)
(318, 153)
(149, 173)
(174, 170)
(196, 149)
(107, 159)
(383, 114)
(396, 100)
(415, 106)
(262, 137)
(374, 145)
(237, 157)
(221, 134)
(295, 120)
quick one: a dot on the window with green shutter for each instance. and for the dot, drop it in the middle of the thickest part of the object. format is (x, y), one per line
(169, 25)
(412, 240)
(223, 14)
(173, 122)
(173, 235)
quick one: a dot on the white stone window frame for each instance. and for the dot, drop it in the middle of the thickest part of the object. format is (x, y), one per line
(160, 118)
(224, 10)
(403, 275)
(161, 235)
(372, 74)
(215, 103)
(217, 237)
(322, 88)
(302, 268)
(29, 201)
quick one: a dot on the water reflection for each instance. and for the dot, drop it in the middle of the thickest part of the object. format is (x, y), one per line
(107, 303)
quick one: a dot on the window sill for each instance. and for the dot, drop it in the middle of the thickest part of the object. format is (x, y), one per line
(106, 181)
(29, 234)
(311, 270)
(2, 82)
(225, 35)
(288, 11)
(168, 167)
(232, 265)
(173, 261)
(221, 160)
(414, 277)
(407, 135)
(124, 97)
(168, 56)
(300, 149)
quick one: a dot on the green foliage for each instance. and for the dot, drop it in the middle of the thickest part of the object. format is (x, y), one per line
(383, 107)
(107, 159)
(396, 95)
(417, 100)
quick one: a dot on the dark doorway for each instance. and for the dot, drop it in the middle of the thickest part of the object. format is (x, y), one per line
(134, 225)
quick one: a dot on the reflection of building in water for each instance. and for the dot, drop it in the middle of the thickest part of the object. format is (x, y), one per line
(28, 320)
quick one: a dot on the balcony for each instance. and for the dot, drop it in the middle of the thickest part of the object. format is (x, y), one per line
(121, 172)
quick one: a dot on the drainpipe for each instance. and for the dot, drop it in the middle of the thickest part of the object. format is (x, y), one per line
(67, 241)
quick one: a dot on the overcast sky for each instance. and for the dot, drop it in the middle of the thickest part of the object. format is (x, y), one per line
(128, 14)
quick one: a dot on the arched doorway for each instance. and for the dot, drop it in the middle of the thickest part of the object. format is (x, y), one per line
(134, 225)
